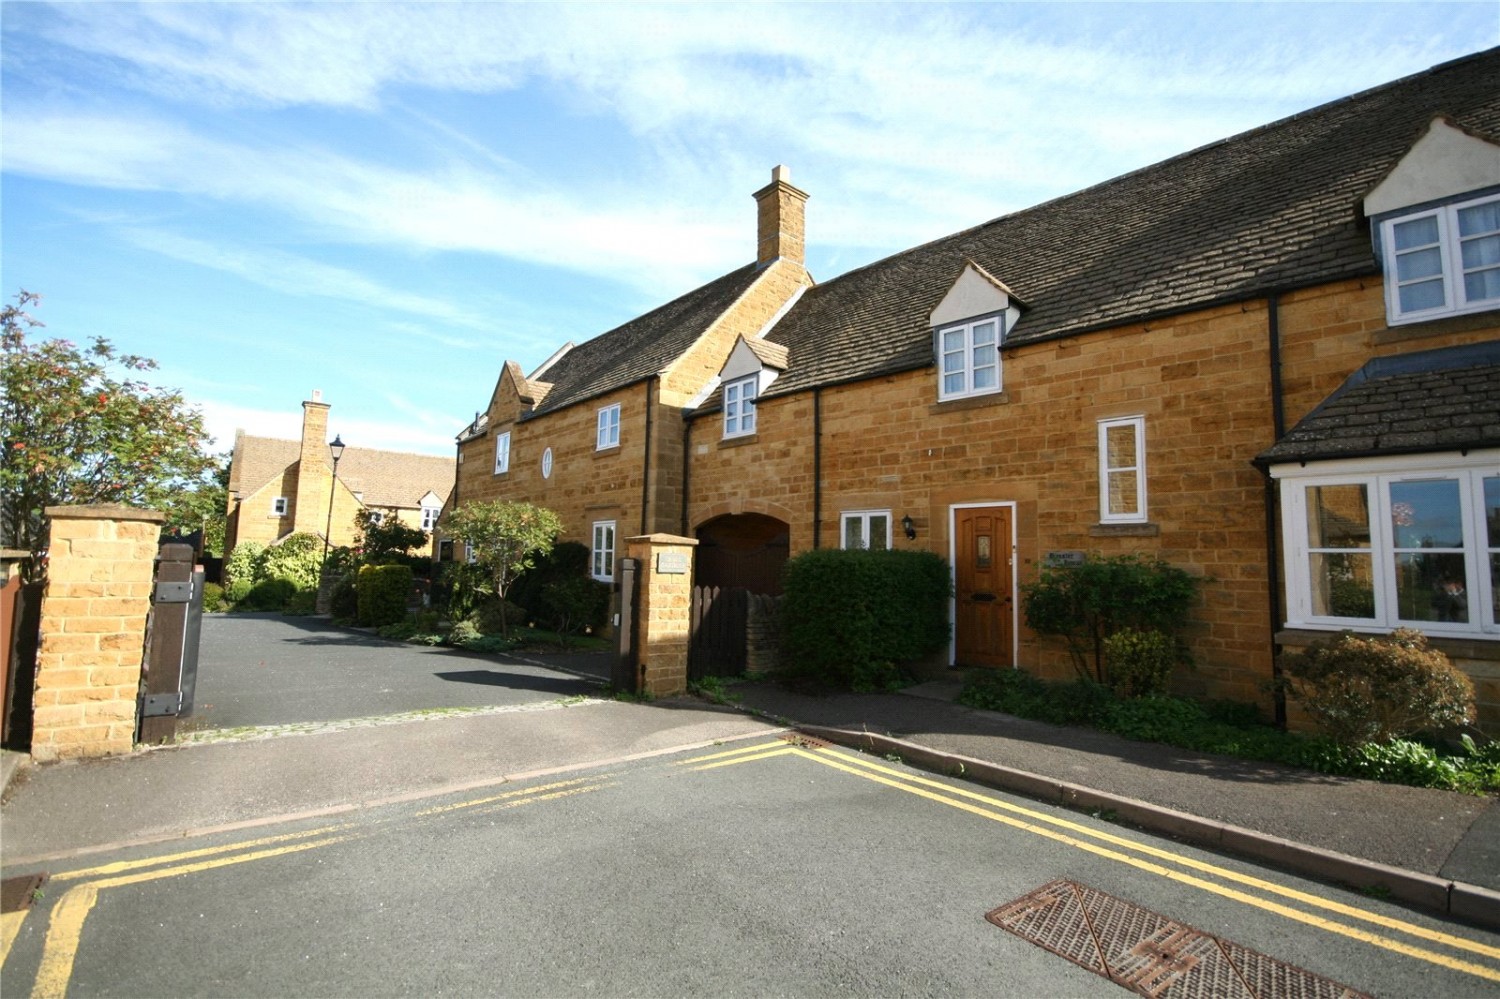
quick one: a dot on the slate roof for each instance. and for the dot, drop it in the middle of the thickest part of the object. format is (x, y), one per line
(1434, 400)
(641, 347)
(385, 478)
(1271, 209)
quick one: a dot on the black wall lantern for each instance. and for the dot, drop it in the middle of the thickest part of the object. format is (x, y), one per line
(910, 527)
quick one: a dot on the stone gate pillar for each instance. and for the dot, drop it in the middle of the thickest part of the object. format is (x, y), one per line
(99, 575)
(663, 610)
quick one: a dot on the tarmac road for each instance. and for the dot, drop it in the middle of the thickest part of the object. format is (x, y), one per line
(270, 669)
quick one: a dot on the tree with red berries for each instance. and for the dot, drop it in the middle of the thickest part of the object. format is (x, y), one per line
(76, 428)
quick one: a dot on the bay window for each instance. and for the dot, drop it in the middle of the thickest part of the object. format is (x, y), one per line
(1383, 544)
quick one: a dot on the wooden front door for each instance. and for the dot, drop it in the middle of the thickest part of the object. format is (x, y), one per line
(984, 616)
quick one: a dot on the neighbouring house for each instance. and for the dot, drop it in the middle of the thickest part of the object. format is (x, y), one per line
(1273, 361)
(281, 487)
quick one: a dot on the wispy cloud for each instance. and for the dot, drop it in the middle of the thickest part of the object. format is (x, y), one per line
(298, 275)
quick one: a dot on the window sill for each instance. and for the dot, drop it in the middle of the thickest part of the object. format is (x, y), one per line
(607, 452)
(740, 441)
(499, 474)
(1464, 323)
(969, 402)
(1125, 531)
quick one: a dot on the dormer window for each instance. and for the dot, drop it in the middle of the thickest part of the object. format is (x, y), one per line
(739, 406)
(969, 357)
(1442, 261)
(968, 326)
(1435, 219)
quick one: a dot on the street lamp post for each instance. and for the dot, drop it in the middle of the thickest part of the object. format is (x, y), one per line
(337, 450)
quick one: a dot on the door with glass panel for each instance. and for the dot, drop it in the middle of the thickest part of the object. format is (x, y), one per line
(984, 604)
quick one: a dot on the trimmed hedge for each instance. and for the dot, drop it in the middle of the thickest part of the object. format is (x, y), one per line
(382, 593)
(849, 615)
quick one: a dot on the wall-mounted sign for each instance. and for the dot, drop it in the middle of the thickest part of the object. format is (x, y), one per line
(1061, 560)
(672, 563)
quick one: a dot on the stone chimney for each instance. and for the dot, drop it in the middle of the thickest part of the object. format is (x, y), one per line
(314, 468)
(780, 225)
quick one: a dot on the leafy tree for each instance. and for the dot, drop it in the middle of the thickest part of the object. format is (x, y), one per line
(388, 540)
(507, 537)
(74, 433)
(201, 506)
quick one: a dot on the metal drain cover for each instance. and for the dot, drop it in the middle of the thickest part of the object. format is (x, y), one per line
(1149, 953)
(18, 893)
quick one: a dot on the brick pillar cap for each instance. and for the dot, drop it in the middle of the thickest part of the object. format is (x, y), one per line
(106, 511)
(663, 539)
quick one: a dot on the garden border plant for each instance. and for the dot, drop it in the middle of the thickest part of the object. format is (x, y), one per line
(1232, 728)
(1088, 603)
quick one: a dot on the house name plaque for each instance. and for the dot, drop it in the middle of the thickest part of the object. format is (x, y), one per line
(671, 563)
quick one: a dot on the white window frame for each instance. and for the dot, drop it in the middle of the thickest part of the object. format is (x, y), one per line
(1377, 476)
(1449, 243)
(469, 556)
(1106, 515)
(863, 518)
(602, 551)
(430, 517)
(547, 463)
(961, 359)
(377, 517)
(739, 406)
(278, 506)
(607, 433)
(502, 453)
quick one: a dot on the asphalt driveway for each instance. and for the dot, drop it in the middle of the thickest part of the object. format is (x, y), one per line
(268, 669)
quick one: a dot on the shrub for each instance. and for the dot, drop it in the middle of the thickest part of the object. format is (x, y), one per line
(297, 558)
(846, 611)
(1087, 603)
(238, 590)
(343, 601)
(462, 633)
(567, 560)
(1360, 690)
(382, 594)
(461, 588)
(301, 603)
(243, 563)
(494, 616)
(213, 598)
(574, 603)
(267, 595)
(1140, 663)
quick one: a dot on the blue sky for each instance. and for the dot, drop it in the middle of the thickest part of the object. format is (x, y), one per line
(386, 201)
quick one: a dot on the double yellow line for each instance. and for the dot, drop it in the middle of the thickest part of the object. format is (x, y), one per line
(1187, 870)
(60, 949)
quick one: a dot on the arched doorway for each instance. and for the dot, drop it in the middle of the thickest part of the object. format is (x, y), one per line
(743, 551)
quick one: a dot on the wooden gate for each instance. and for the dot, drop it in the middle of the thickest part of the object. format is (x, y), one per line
(170, 675)
(720, 623)
(20, 632)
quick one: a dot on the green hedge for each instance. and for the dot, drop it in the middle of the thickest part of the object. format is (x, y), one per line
(848, 615)
(382, 594)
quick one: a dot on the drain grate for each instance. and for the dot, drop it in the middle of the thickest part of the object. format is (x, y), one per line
(806, 741)
(17, 894)
(1149, 953)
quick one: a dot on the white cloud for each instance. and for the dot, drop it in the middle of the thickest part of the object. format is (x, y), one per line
(298, 275)
(909, 121)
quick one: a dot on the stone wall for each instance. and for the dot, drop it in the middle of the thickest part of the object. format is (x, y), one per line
(1202, 383)
(99, 579)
